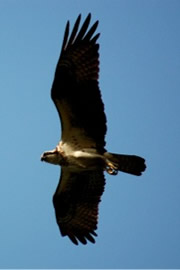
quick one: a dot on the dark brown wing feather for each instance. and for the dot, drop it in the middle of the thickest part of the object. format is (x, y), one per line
(75, 89)
(76, 204)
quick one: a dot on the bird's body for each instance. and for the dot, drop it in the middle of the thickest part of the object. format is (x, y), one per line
(81, 152)
(77, 159)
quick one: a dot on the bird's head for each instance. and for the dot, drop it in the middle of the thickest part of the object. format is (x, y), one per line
(53, 157)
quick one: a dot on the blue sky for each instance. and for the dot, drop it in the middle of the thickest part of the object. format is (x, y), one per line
(140, 80)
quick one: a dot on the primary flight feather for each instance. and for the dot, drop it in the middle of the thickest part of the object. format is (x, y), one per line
(81, 152)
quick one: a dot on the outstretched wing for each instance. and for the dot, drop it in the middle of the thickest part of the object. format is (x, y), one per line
(75, 89)
(76, 204)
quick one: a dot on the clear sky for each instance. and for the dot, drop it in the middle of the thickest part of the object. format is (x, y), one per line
(139, 223)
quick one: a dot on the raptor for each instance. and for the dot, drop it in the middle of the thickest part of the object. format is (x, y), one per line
(81, 152)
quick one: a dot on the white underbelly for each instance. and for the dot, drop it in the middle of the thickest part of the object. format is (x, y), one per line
(84, 159)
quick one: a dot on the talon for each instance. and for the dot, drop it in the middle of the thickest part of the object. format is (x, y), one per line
(111, 169)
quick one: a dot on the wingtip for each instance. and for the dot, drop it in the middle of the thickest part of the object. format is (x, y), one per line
(79, 17)
(83, 239)
(89, 15)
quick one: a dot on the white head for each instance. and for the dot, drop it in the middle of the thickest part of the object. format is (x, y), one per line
(53, 157)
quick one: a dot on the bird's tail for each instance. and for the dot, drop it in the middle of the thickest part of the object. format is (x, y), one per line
(125, 163)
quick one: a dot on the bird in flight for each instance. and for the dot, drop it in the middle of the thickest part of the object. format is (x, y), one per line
(81, 151)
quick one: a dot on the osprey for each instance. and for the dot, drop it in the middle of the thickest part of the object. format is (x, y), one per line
(81, 152)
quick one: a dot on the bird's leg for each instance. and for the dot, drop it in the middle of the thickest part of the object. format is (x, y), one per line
(111, 168)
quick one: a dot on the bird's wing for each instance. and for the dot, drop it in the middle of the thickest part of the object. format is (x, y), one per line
(75, 90)
(76, 204)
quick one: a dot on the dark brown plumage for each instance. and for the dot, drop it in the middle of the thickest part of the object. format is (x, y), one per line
(76, 82)
(81, 152)
(77, 205)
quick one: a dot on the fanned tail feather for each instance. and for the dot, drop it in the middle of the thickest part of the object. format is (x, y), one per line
(126, 163)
